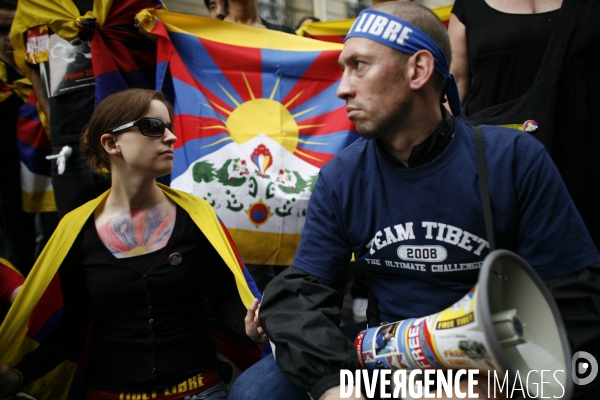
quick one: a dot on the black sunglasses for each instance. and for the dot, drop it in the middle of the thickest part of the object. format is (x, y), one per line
(149, 126)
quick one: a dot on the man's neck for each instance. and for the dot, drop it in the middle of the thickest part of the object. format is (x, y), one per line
(244, 12)
(414, 130)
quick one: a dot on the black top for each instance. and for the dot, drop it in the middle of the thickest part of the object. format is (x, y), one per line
(69, 113)
(149, 323)
(427, 150)
(9, 153)
(505, 53)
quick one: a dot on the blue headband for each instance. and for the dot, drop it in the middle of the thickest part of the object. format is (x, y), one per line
(407, 38)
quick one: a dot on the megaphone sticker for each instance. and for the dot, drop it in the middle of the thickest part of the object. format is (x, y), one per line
(584, 368)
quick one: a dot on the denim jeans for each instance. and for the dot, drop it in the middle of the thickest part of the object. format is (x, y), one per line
(265, 380)
(218, 392)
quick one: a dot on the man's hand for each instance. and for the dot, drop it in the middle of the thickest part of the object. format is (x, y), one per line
(334, 394)
(8, 380)
(253, 328)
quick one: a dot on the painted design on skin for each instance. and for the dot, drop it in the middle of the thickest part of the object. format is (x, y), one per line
(138, 232)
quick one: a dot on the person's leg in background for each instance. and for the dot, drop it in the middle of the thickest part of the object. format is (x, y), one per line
(19, 226)
(265, 380)
(77, 184)
(46, 223)
(218, 392)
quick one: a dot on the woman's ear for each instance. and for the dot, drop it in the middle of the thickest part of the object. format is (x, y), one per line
(109, 142)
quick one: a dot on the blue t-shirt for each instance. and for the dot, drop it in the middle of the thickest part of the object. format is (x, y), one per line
(419, 234)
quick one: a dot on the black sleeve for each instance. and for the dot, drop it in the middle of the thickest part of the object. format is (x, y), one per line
(459, 10)
(275, 27)
(301, 314)
(224, 298)
(578, 298)
(69, 334)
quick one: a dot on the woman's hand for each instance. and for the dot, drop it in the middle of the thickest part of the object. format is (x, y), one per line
(9, 380)
(253, 328)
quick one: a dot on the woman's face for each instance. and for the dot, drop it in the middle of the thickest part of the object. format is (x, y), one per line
(143, 155)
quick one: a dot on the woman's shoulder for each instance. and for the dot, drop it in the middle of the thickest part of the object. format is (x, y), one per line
(184, 199)
(464, 9)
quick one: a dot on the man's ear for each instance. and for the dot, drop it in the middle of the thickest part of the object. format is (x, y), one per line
(421, 69)
(109, 142)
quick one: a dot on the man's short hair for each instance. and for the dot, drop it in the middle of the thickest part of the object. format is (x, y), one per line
(424, 19)
(10, 5)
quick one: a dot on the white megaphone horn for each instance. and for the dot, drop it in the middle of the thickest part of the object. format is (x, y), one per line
(508, 323)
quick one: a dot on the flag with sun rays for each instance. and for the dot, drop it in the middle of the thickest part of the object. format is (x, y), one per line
(256, 116)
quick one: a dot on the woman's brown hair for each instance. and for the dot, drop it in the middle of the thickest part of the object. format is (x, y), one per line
(115, 110)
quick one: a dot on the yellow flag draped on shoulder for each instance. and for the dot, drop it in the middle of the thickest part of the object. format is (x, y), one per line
(16, 333)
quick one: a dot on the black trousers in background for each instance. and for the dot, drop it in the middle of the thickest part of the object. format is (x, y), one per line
(77, 184)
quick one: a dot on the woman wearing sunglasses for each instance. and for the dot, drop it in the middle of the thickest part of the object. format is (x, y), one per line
(134, 266)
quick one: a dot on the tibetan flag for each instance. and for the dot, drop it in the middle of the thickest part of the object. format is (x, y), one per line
(34, 146)
(38, 307)
(256, 116)
(11, 279)
(335, 31)
(122, 58)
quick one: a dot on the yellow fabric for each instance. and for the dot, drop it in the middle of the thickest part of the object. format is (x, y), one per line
(20, 87)
(13, 341)
(341, 28)
(518, 127)
(330, 28)
(38, 201)
(233, 33)
(282, 247)
(8, 264)
(146, 19)
(443, 13)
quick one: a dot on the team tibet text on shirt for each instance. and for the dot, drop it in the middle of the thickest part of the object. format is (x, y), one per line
(417, 256)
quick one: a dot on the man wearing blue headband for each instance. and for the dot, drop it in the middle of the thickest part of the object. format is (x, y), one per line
(411, 182)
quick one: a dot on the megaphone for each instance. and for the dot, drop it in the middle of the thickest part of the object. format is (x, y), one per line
(508, 323)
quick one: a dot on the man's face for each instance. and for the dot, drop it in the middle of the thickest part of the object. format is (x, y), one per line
(373, 85)
(6, 19)
(216, 9)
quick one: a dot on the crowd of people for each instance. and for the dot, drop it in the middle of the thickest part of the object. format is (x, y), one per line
(144, 269)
